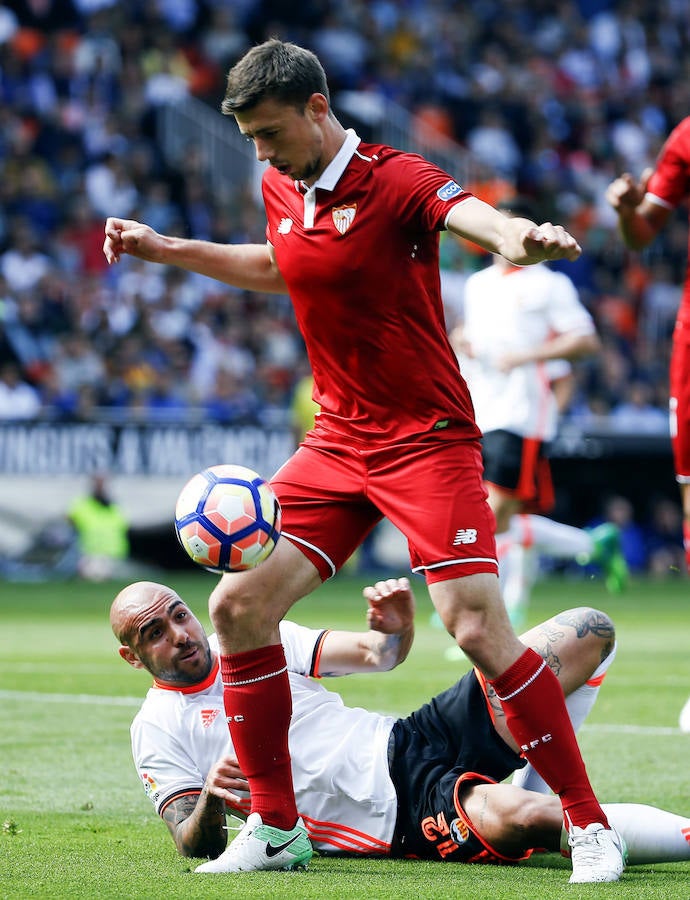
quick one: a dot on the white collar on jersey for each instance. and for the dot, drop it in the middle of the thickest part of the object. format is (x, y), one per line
(336, 167)
(331, 175)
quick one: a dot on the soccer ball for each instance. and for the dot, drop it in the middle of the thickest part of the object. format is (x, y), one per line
(227, 519)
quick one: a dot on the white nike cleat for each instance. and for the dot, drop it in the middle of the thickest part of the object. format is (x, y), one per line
(597, 853)
(260, 847)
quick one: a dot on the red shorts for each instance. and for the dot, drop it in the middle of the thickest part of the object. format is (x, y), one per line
(679, 403)
(430, 487)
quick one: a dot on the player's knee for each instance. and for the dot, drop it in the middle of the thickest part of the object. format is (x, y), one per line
(472, 633)
(597, 627)
(233, 605)
(472, 611)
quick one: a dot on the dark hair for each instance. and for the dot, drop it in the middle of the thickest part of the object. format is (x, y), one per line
(519, 206)
(276, 70)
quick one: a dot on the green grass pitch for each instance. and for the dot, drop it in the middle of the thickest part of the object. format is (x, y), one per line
(74, 822)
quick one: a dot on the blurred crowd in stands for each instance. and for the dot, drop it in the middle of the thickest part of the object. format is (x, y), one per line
(552, 100)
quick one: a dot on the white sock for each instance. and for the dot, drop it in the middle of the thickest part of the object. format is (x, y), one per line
(517, 572)
(579, 704)
(551, 538)
(651, 835)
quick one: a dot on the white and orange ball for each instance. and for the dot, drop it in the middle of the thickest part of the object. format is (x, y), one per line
(227, 518)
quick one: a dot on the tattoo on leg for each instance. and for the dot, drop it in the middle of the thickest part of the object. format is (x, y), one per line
(494, 702)
(482, 812)
(545, 646)
(586, 621)
(591, 621)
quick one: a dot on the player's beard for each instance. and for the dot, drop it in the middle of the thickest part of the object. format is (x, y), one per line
(310, 170)
(184, 676)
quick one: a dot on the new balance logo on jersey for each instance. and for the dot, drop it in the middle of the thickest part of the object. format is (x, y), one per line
(465, 536)
(285, 226)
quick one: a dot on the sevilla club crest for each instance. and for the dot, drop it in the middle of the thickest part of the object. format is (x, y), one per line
(344, 216)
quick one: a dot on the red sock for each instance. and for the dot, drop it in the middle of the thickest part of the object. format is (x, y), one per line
(258, 704)
(686, 543)
(537, 717)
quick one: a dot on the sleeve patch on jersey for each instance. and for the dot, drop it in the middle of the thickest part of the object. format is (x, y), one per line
(149, 783)
(449, 190)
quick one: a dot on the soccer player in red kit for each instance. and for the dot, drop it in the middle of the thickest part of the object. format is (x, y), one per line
(353, 238)
(643, 208)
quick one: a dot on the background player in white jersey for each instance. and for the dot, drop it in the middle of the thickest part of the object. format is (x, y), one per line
(516, 324)
(366, 784)
(353, 238)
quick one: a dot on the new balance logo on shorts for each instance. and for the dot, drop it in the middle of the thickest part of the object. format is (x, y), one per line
(465, 536)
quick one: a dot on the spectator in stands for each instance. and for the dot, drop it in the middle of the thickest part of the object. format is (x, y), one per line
(664, 538)
(76, 363)
(108, 184)
(636, 414)
(231, 401)
(19, 400)
(619, 511)
(28, 335)
(23, 263)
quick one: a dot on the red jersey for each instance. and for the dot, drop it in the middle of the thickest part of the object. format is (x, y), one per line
(359, 252)
(670, 185)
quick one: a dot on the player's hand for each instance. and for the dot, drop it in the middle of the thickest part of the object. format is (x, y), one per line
(547, 241)
(625, 194)
(391, 606)
(509, 361)
(132, 238)
(459, 342)
(224, 778)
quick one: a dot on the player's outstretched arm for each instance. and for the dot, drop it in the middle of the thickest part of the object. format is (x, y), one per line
(390, 617)
(568, 346)
(197, 822)
(519, 240)
(247, 266)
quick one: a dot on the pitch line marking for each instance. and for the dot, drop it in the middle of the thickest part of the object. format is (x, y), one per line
(93, 699)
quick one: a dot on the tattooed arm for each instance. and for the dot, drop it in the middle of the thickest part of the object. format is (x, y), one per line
(197, 821)
(390, 617)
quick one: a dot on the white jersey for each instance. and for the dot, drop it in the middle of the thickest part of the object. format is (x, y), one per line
(508, 311)
(339, 754)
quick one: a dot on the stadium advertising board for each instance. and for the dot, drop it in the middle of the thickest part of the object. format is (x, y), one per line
(157, 451)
